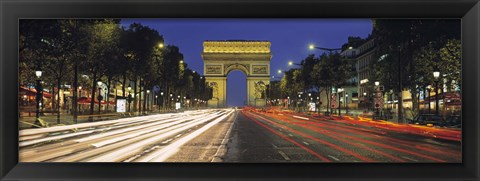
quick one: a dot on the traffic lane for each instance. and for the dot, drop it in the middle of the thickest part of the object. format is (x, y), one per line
(80, 148)
(252, 142)
(410, 149)
(379, 144)
(445, 151)
(205, 147)
(333, 150)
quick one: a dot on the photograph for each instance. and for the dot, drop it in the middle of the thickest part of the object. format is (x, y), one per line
(238, 90)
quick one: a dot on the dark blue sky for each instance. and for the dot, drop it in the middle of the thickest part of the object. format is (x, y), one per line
(289, 39)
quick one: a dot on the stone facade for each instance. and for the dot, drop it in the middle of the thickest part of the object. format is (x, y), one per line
(250, 57)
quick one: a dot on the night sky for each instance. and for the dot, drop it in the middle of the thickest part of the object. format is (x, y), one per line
(289, 40)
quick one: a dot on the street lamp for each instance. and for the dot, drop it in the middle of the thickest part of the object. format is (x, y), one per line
(436, 74)
(39, 90)
(346, 103)
(161, 45)
(80, 93)
(312, 46)
(339, 102)
(377, 83)
(99, 97)
(129, 98)
(148, 100)
(279, 71)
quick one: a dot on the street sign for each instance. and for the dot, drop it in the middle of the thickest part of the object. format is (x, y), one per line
(312, 106)
(121, 105)
(334, 101)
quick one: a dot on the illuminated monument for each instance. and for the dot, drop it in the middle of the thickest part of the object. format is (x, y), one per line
(250, 57)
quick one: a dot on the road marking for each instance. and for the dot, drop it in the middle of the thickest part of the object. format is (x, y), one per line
(167, 151)
(275, 146)
(223, 144)
(408, 158)
(335, 158)
(306, 143)
(304, 118)
(283, 155)
(166, 141)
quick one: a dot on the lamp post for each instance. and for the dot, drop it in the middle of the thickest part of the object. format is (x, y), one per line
(163, 100)
(99, 97)
(288, 103)
(80, 95)
(365, 100)
(156, 101)
(377, 88)
(346, 103)
(436, 74)
(339, 103)
(129, 98)
(148, 100)
(39, 90)
(171, 101)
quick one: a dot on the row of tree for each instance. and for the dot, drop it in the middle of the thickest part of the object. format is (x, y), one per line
(102, 50)
(407, 54)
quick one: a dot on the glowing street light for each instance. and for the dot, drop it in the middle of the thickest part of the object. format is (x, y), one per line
(290, 63)
(39, 90)
(279, 71)
(436, 74)
(38, 73)
(161, 45)
(377, 83)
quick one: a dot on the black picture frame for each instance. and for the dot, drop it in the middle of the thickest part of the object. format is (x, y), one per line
(12, 10)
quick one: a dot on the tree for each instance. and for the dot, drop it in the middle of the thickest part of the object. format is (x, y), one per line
(450, 61)
(397, 42)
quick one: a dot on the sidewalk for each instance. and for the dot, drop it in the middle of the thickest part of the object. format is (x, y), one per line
(360, 112)
(26, 122)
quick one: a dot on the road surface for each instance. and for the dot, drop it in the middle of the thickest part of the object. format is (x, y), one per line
(229, 135)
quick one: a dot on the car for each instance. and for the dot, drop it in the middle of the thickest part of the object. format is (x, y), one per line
(453, 121)
(428, 119)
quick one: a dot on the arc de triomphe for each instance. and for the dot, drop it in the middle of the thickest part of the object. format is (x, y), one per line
(250, 57)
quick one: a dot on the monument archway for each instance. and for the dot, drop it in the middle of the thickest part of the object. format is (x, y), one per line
(250, 57)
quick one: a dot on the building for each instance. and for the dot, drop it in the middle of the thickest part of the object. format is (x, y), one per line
(366, 56)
